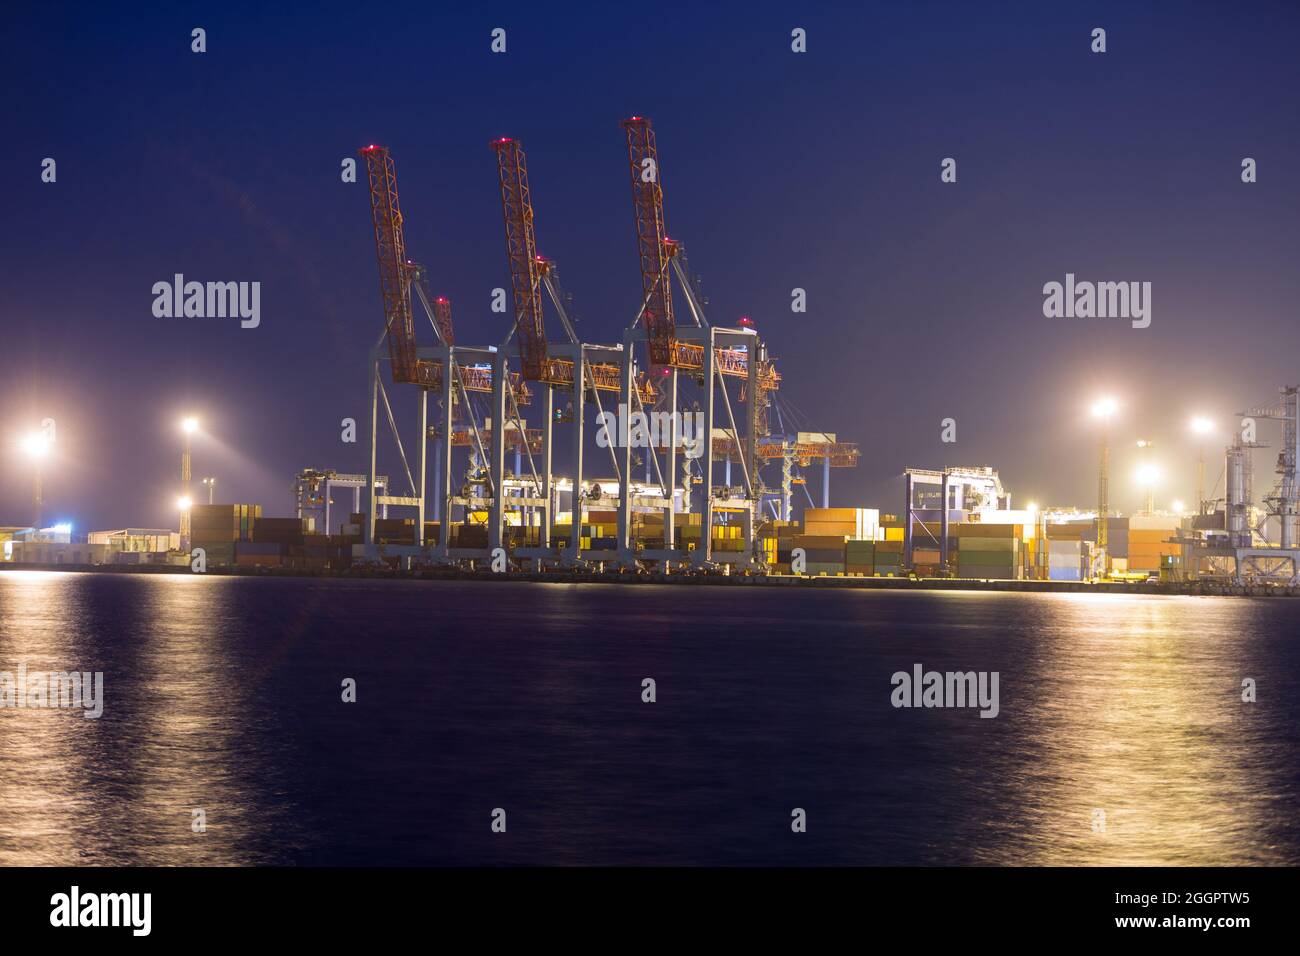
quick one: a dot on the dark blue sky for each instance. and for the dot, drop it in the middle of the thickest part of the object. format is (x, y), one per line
(819, 171)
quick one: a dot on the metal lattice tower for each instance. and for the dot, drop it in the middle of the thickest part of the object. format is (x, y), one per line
(1103, 497)
(1284, 501)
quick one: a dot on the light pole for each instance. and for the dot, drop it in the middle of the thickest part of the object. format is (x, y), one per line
(1040, 538)
(1202, 427)
(211, 484)
(1147, 476)
(1103, 410)
(183, 505)
(188, 427)
(1146, 445)
(36, 446)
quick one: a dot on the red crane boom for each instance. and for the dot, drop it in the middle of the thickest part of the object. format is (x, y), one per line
(655, 249)
(395, 271)
(525, 265)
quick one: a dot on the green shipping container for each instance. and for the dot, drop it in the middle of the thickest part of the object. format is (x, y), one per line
(988, 544)
(1000, 572)
(987, 557)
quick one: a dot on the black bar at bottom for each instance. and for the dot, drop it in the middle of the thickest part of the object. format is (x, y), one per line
(376, 905)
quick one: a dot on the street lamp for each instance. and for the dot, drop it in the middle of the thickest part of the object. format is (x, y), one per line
(211, 484)
(36, 446)
(1104, 410)
(1039, 537)
(1146, 445)
(1147, 476)
(1201, 426)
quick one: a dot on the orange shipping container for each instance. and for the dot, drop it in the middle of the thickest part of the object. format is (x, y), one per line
(819, 541)
(988, 530)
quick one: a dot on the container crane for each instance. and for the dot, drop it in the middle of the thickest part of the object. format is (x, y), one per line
(396, 274)
(657, 252)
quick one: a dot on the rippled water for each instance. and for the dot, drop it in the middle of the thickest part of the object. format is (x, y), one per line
(224, 694)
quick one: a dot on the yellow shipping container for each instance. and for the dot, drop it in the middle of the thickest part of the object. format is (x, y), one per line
(846, 528)
(830, 514)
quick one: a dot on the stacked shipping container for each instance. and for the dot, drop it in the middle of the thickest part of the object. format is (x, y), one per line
(990, 550)
(1148, 544)
(216, 529)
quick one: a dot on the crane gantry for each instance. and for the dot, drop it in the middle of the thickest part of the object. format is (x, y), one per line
(398, 276)
(521, 505)
(529, 274)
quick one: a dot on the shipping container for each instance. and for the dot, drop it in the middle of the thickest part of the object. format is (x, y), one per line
(1008, 545)
(1166, 523)
(999, 572)
(978, 530)
(253, 548)
(258, 560)
(990, 557)
(819, 541)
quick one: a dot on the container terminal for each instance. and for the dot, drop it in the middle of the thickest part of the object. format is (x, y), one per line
(698, 462)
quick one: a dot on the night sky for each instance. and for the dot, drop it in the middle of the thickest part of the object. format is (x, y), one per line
(780, 170)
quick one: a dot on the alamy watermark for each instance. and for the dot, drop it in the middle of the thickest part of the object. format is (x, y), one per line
(75, 908)
(209, 300)
(652, 430)
(1100, 300)
(53, 689)
(922, 688)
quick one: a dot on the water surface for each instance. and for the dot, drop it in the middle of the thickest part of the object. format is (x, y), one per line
(224, 694)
